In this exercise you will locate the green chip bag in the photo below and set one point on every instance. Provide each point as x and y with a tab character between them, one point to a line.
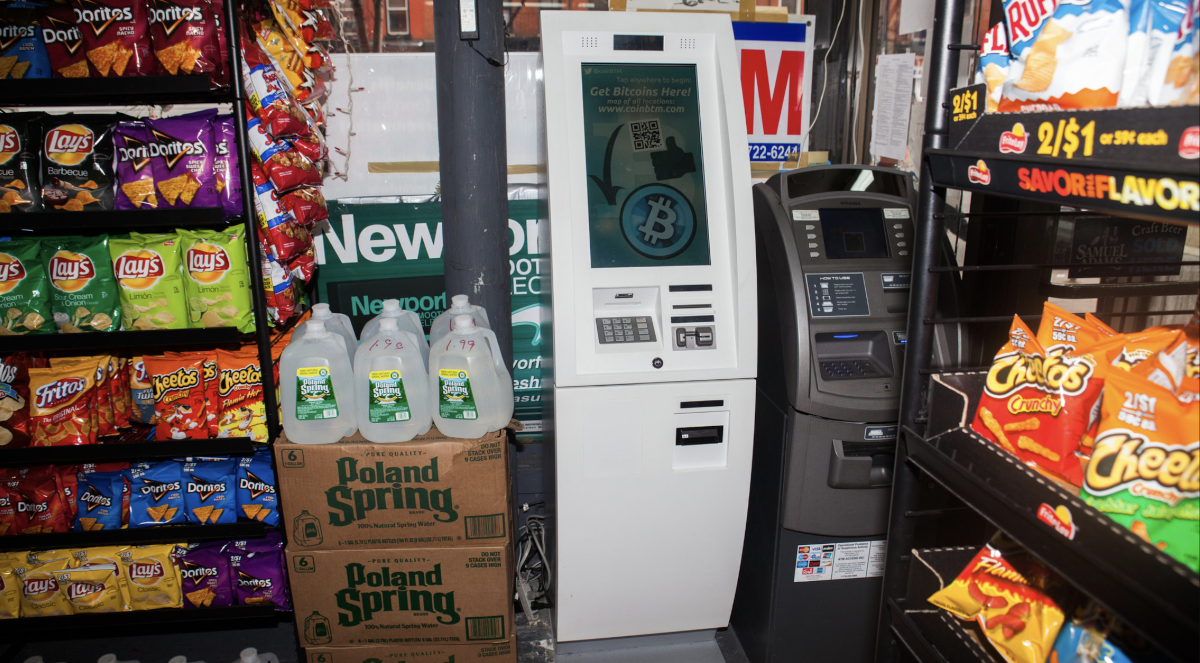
83	290
216	280
24	300
149	273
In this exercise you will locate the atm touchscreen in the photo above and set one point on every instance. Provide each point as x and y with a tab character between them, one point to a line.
854	233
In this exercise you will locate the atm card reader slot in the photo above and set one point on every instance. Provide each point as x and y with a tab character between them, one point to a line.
861	464
853	355
699	435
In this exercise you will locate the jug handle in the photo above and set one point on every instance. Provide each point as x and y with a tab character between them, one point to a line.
423	342
497	359
411	336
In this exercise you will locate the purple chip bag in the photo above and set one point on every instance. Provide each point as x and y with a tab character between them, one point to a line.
135	176
225	168
205	577
184	152
258	578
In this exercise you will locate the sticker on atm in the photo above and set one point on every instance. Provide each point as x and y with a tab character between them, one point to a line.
806	215
840	561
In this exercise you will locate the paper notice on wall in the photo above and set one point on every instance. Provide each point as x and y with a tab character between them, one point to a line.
840	561
893	100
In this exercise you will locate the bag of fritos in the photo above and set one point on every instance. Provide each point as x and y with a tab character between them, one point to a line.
179	397
106	420
62	407
1005	593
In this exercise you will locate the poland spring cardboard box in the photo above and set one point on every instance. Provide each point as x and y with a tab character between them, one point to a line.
483	652
417	596
432	491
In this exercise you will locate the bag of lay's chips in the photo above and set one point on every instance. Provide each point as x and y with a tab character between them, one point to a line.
81	557
1076	60
993	65
10	588
39	588
24	294
83	290
243	413
149	273
142	391
256	494
23	50
1145	469
156	494
100	500
77	161
14	400
62	402
151	576
1005	593
179	397
210	491
93	588
216	279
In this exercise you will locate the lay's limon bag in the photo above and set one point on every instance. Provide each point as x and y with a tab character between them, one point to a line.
83	291
149	273
24	300
216	280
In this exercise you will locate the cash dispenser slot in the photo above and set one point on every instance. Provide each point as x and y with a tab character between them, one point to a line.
699	435
853	355
861	464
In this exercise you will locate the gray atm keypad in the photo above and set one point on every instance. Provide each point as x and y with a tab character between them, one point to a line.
837	295
634	329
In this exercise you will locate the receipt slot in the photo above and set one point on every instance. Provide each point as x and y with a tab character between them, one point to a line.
653	322
834	267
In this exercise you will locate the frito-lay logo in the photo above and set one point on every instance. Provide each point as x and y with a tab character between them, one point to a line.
147	571
1058	518
39	586
63	32
385	590
158	489
205	490
59	392
94	498
1189	143
85	592
171	16
1012	372
207	263
1124	460
376	487
100	18
181	378
1015	141
11	272
139	270
10	143
69	144
979	173
71	272
248	375
256	486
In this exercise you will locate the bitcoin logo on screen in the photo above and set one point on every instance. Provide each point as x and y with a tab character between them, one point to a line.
658	221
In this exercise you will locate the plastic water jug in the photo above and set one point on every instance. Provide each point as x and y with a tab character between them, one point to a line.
316	384
338	323
182	659
458	306
316	629
391	385
251	655
406	320
111	658
471	386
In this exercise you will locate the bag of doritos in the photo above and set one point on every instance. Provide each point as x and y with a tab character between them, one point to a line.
83	290
20	189
142	390
43	505
135	177
119	369
242	411
259	577
184	36
64	42
204	576
149	273
216	280
100	499
256	488
116	37
77	161
183	160
23	50
14	400
24	300
156	494
152	577
227	175
210	493
179	397
11	522
61	405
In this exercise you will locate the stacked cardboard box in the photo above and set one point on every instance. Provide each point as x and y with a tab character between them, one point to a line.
400	552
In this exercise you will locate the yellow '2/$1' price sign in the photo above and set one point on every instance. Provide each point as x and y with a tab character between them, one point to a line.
1064	139
966	105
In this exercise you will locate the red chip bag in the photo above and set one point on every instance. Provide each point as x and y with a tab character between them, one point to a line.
116	37
64	41
14	400
307	205
281	115
184	36
303	265
281	290
284	166
62	405
49	514
212	395
105	415
8	509
311	145
316	110
179	397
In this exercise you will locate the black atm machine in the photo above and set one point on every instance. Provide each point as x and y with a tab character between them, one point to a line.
834	267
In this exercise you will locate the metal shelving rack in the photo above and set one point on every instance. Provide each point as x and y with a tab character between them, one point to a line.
153	90
1151	592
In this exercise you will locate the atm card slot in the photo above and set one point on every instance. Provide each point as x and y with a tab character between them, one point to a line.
687	306
706	287
699	435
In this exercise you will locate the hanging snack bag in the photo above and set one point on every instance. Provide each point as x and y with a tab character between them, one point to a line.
83	290
301	23
99	500
24	294
216	281
135	178
183	164
280	114
64	41
142	390
302	84
116	36
282	236
256	488
156	494
14	400
77	162
179	397
183	35
243	413
993	65
307	205
1144	472
227	177
61	403
284	166
282	294
210	493
151	575
148	270
23	50
104	418
20	191
1181	83
119	369
204	576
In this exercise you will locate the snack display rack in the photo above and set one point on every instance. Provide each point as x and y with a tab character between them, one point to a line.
151	90
968	149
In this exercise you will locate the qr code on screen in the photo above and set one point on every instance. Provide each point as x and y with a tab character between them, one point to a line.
646	135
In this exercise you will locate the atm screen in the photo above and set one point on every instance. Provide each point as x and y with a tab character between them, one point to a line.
645	165
854	233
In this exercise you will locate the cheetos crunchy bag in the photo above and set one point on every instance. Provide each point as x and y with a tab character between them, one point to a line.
1005	593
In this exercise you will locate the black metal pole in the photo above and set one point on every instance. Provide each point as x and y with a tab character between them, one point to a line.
474	160
942	65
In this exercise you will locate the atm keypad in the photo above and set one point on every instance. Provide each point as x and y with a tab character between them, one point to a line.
851	369
634	329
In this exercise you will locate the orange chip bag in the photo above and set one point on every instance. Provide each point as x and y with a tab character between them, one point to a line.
1099	324
178	397
212	397
106	421
1005	594
61	410
1062	331
243	413
91	588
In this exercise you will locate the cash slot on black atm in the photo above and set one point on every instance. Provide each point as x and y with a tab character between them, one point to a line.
853	355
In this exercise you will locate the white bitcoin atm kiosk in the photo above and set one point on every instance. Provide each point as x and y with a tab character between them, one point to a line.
654	320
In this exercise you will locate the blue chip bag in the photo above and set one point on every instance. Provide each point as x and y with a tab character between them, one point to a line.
208	490
100	500
22	47
143	392
156	494
256	495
